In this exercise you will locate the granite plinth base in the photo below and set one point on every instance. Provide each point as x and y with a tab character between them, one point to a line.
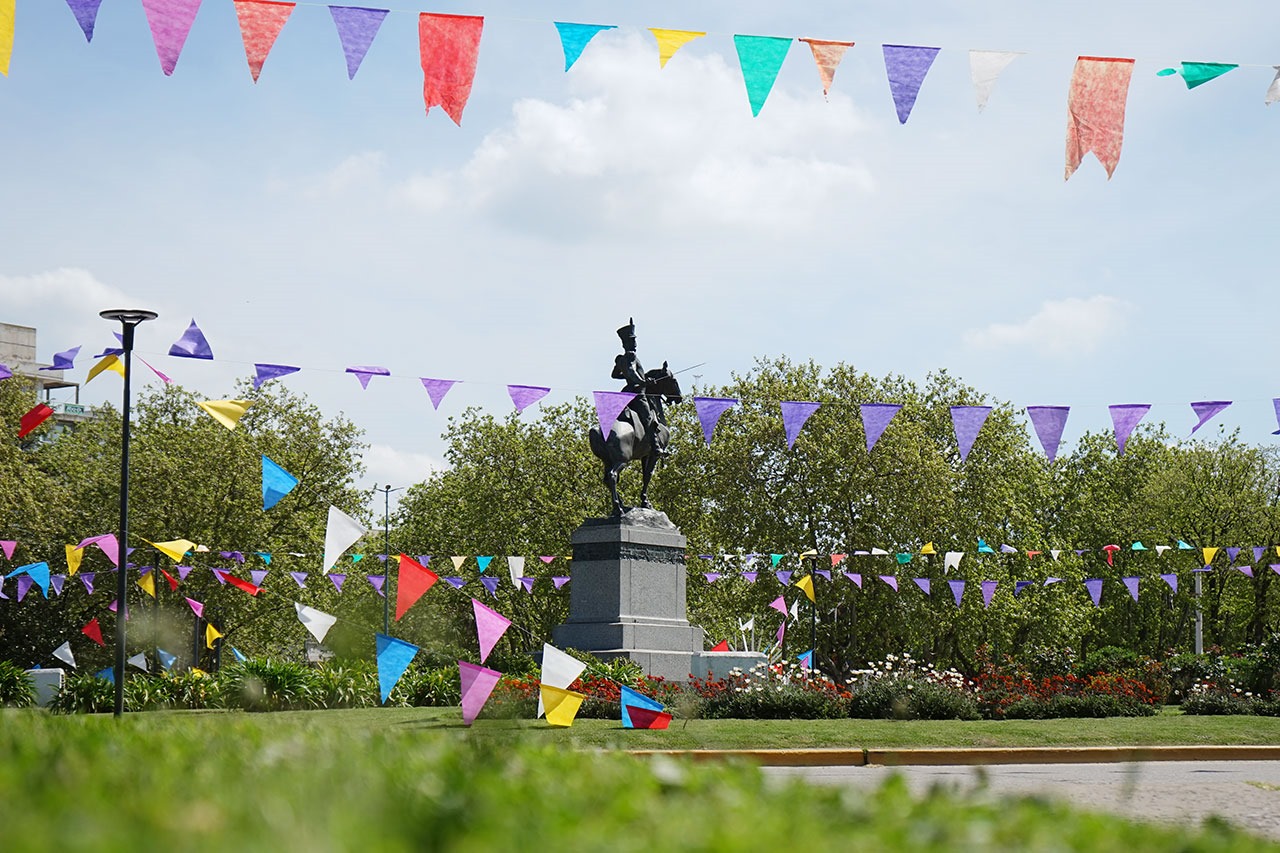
628	594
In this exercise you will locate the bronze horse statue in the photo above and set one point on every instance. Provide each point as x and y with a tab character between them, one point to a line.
629	439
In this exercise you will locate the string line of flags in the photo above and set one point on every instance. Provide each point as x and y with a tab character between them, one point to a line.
449	48
1048	422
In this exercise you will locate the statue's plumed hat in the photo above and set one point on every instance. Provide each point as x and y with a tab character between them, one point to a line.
629	330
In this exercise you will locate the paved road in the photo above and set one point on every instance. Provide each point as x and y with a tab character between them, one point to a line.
1246	793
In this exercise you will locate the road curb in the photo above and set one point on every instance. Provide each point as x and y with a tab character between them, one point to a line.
973	755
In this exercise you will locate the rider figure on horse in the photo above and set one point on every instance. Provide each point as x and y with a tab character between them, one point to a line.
646	405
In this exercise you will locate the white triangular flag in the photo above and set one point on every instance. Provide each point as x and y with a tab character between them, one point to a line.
1055	553
749	625
340	533
1273	91
316	621
879	552
515	565
795	609
1160	549
951	560
558	670
63	653
985	66
139	660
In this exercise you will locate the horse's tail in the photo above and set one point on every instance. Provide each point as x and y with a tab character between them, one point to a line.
597	443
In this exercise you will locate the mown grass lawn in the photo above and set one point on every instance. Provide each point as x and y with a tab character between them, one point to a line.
406	779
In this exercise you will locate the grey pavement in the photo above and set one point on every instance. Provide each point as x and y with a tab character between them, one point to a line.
1245	793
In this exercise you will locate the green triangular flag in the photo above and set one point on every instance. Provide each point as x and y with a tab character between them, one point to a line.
1199	73
761	59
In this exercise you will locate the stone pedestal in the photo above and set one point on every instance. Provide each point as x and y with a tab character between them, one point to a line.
627	598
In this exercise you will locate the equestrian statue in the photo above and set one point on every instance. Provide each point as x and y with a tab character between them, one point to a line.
640	432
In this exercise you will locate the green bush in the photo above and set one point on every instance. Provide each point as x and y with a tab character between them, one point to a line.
84	694
428	688
771	692
1108	659
345	685
16	687
266	685
1066	706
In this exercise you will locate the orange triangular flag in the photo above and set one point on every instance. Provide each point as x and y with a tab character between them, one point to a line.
669	41
260	23
415	579
93	631
827	55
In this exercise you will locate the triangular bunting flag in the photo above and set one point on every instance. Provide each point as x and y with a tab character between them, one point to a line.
951	560
337	579
166	660
1125	417
414	580
363	373
1205	410
63	653
317	622
110	362
806	585
561	705
988	590
170	22
559	669
827	56
875	419
524	396
86	12
93	631
1132	585
957	590
193	344
669	41
140	661
240	583
609	404
341	532
276	483
197	607
226	412
32	419
1094	586
300	578
266	372
709	410
393	658
1198	73
984	67
1095	111
211	634
890	580
1049	421
260	24
794	415
490	584
449	46
760	58
147	583
574	39
436	389
923	583
906	67
490	626
86	578
967	421
477	685
175	549
357	28
630	700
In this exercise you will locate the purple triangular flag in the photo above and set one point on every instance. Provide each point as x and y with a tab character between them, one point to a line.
57	581
267	372
923	583
456	583
1132	585
170	22
1050	581
794	414
366	372
855	577
711	577
5	372
988	590
220	575
906	67
957	590
1171	580
524	396
86	12
258	575
825	574
890	580
86	578
1246	570
183	571
749	577
1258	551
784	577
1205	410
436	389
609	404
1008	549
1049	421
559	581
1232	553
1125	417
709	411
967	421
337	580
1275	567
1019	586
376	581
25	583
192	344
875	418
300	578
1094	585
527	583
477	683
357	28
65	360
490	584
1276	403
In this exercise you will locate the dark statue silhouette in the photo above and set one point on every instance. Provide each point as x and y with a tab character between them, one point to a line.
640	432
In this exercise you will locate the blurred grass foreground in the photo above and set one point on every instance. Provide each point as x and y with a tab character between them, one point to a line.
232	781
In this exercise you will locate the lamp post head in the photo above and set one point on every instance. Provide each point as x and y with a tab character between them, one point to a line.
128	316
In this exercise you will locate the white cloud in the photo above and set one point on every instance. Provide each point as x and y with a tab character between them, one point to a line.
637	148
386	465
354	173
1062	327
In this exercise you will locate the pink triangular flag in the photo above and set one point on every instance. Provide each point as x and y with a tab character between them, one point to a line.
827	56
477	684
170	22
197	607
547	560
490	626
779	604
260	24
1095	111
449	46
7	545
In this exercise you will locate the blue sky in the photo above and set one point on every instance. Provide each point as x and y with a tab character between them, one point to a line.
321	222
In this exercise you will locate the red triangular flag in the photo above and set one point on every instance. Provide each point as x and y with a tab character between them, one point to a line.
260	24
722	646
33	419
449	46
173	582
93	631
412	583
242	584
647	718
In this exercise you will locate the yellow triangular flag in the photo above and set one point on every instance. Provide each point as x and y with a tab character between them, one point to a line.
210	634
669	41
109	362
226	412
147	583
561	705
928	549
1209	554
74	556
174	550
457	563
806	584
6	33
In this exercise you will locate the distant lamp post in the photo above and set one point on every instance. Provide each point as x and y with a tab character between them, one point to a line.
386	555
129	320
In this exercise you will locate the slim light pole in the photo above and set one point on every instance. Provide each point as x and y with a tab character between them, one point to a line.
386	555
129	320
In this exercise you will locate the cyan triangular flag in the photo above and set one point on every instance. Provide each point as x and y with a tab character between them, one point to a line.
276	483
631	699
240	658
761	59
108	674
483	563
38	572
393	659
166	660
574	38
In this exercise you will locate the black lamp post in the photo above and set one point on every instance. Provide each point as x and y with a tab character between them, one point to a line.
129	320
386	556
